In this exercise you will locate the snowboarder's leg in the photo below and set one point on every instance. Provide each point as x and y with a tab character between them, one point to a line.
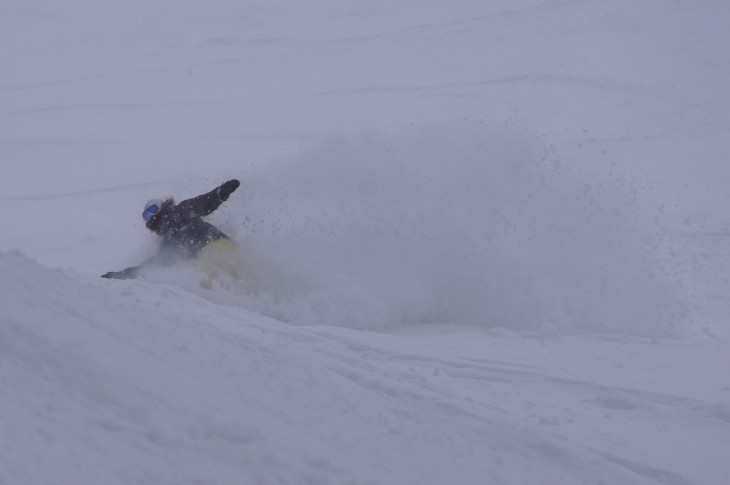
220	257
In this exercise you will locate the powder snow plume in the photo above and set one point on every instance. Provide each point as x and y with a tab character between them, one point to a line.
468	225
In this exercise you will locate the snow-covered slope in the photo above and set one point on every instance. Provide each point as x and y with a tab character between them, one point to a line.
141	383
485	242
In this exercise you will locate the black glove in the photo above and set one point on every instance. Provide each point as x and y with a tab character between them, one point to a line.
225	190
121	275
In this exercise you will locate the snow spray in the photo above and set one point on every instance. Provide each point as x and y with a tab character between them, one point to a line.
468	225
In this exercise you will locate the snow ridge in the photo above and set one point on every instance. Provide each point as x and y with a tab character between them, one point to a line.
132	382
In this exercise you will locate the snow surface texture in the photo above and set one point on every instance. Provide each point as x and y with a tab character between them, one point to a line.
484	242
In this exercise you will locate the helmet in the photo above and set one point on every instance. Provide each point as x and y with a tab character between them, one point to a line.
151	208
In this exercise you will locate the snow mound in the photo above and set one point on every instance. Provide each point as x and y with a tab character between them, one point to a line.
132	383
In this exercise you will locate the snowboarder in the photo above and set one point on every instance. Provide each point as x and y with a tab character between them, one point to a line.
185	234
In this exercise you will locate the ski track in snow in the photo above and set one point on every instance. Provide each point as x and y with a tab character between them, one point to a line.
84	193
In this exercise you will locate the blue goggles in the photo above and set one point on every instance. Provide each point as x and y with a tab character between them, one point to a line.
150	211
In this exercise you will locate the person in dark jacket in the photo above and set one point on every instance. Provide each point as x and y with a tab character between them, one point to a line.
183	231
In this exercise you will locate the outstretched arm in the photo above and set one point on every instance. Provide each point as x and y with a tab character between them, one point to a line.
203	205
133	272
124	274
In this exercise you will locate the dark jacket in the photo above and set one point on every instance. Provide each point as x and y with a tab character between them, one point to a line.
181	226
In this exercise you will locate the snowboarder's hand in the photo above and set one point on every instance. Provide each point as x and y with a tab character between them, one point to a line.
225	190
121	275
